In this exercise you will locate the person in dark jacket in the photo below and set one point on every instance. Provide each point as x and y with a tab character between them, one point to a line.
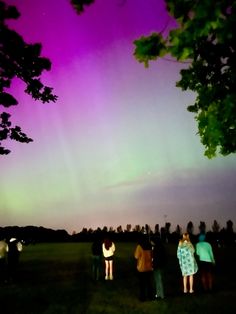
3	260
14	249
158	262
96	258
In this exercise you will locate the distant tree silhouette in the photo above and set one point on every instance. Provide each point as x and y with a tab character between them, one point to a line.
138	228
229	226
202	227
190	227
157	229
178	229
215	227
176	235
105	229
119	229
80	4
128	227
23	61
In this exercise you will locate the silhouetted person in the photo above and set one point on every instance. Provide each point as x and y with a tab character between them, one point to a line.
108	249
96	258
14	249
187	262
206	262
143	255
158	263
3	260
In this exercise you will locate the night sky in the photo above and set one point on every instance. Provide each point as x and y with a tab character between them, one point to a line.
118	146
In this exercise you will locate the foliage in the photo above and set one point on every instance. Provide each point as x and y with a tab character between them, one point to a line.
79	5
18	60
206	38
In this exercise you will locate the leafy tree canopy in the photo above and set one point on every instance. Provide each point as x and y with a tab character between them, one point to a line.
206	38
80	4
21	60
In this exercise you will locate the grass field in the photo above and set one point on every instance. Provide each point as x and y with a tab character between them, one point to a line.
56	278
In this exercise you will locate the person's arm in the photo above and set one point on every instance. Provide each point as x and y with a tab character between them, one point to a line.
113	247
137	252
212	255
103	249
178	252
19	246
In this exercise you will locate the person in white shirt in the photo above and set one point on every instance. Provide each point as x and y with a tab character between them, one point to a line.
14	249
108	249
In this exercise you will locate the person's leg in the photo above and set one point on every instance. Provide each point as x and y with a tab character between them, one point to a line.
204	280
111	270
191	284
185	284
94	267
142	287
209	280
97	271
106	270
155	277
158	283
161	289
149	285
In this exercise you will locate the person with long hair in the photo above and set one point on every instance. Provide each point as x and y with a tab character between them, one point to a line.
108	249
187	262
143	255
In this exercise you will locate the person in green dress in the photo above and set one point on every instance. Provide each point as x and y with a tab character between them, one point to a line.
187	262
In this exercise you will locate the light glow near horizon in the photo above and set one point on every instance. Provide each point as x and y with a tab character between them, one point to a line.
118	147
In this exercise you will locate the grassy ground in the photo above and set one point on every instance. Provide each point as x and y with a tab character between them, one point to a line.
56	278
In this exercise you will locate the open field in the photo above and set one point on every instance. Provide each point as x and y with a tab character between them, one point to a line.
56	278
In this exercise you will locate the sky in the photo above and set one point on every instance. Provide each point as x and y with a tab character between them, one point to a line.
119	146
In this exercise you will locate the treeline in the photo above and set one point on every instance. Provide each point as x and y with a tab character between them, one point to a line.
33	234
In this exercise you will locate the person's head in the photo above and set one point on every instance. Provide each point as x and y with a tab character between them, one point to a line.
202	237
185	237
107	243
144	242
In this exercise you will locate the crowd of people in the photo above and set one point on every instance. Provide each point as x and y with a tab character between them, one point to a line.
151	259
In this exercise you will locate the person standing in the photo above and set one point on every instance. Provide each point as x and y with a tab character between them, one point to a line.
14	249
206	262
3	260
187	262
158	262
143	255
108	249
96	258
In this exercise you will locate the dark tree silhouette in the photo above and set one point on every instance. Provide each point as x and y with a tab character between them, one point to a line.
157	229
206	39
80	4
229	226
178	230
215	227
23	61
202	227
190	227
